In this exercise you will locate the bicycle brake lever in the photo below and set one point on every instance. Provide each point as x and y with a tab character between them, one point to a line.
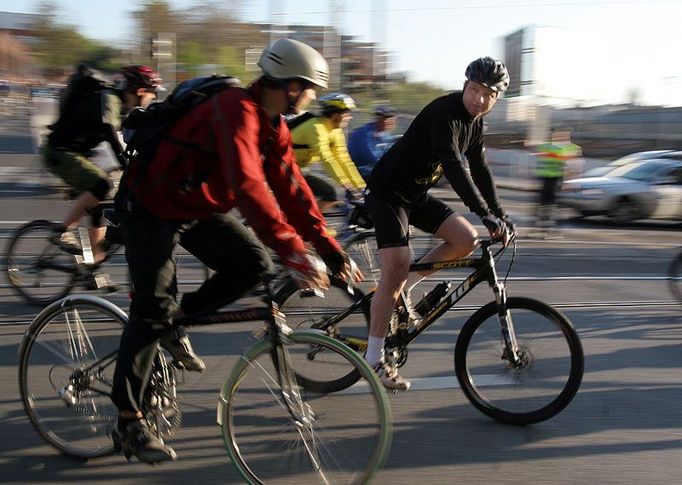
351	277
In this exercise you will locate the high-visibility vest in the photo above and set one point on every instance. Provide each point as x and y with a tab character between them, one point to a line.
552	158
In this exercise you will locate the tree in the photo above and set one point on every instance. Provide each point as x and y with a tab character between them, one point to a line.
59	47
412	97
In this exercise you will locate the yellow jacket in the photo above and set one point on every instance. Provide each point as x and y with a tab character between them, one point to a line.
316	141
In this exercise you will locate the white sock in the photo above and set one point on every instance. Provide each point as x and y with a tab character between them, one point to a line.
375	350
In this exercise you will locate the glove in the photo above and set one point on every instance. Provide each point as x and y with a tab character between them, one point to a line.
335	261
509	223
493	224
353	194
307	271
341	266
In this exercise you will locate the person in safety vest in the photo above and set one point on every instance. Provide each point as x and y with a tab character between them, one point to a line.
555	160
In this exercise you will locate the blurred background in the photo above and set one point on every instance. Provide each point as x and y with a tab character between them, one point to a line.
607	70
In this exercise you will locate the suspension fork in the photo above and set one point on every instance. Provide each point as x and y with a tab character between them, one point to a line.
503	314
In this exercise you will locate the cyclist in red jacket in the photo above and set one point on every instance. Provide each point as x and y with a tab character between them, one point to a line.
184	196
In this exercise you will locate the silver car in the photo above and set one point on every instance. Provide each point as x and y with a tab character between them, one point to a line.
633	157
648	189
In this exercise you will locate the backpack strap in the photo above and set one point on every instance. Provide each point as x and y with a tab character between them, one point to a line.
292	123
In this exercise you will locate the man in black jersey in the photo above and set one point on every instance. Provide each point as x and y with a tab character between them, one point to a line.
444	134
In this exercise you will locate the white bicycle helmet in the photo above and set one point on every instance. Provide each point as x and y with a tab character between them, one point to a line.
291	59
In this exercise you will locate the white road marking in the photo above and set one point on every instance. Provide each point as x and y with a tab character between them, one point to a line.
434	383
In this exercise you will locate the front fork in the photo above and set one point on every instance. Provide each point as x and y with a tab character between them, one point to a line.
511	352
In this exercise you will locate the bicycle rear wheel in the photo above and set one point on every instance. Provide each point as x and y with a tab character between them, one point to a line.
277	431
675	277
66	367
333	316
545	381
38	270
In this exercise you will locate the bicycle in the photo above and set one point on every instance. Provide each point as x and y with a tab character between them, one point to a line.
43	272
675	276
517	359
271	419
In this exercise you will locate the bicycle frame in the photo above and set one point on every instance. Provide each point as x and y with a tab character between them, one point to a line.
277	330
484	270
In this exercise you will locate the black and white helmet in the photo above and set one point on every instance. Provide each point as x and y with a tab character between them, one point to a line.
489	72
291	59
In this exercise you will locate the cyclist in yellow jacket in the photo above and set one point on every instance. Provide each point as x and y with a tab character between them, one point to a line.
321	139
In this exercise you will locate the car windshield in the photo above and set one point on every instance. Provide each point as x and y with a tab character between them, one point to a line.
644	171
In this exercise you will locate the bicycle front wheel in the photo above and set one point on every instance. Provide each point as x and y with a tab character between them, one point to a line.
38	270
66	368
541	384
279	432
675	277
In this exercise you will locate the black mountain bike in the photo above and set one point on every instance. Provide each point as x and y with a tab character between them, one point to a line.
517	359
275	421
43	272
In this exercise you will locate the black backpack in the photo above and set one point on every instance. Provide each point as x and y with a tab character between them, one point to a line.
80	110
145	129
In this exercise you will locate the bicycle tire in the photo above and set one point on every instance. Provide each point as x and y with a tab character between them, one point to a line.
473	354
28	253
58	422
264	450
309	312
675	277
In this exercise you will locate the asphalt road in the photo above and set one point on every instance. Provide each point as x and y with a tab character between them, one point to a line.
624	426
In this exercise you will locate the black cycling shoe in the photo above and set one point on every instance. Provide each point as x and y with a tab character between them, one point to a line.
182	352
134	438
66	241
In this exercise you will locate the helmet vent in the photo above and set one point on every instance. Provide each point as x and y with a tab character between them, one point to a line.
275	58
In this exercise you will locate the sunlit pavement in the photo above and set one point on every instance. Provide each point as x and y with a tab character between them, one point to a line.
625	425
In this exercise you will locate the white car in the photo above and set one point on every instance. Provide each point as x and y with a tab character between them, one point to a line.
647	189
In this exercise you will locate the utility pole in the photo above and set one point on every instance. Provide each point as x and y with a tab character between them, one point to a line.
163	53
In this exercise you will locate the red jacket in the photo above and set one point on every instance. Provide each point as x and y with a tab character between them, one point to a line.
245	159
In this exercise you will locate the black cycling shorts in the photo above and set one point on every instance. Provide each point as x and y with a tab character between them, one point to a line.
392	220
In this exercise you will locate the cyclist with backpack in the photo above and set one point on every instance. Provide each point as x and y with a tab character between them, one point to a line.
320	139
90	112
228	148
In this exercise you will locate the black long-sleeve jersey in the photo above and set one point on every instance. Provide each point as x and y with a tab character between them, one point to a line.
437	142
